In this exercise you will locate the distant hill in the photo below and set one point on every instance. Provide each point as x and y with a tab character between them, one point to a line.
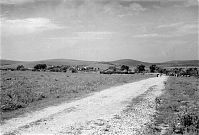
180	63
102	65
55	62
176	63
128	62
65	62
9	62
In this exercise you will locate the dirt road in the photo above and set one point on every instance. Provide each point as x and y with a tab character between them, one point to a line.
74	116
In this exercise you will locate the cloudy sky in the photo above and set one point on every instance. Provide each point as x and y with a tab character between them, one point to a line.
146	30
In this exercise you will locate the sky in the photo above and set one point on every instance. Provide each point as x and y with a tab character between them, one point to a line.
99	30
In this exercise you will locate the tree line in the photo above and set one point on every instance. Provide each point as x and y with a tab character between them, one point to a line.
122	69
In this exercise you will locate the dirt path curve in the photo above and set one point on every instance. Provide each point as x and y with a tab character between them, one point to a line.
101	105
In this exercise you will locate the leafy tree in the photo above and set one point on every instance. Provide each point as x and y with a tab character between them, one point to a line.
73	70
192	71
20	67
124	67
112	68
64	69
140	68
40	66
152	68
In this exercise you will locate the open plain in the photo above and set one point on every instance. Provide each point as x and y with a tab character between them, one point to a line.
26	91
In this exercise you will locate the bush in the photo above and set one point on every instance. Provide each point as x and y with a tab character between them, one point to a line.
113	68
20	67
124	67
64	68
73	70
152	68
140	68
40	66
192	71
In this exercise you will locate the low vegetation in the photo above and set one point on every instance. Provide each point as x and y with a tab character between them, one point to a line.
112	69
178	108
40	67
140	68
23	91
153	68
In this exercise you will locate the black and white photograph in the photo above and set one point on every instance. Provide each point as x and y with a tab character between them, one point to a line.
99	67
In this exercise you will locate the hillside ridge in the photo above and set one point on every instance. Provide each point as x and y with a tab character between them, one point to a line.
129	62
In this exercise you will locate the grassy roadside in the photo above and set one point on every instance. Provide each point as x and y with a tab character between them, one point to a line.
30	91
177	109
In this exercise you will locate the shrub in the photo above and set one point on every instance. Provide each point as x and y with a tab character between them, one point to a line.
192	71
140	68
40	66
20	67
152	68
124	67
73	70
64	68
112	68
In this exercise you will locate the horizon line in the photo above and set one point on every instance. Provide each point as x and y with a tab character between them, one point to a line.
97	60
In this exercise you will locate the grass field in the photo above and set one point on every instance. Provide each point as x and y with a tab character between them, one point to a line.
25	91
178	108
